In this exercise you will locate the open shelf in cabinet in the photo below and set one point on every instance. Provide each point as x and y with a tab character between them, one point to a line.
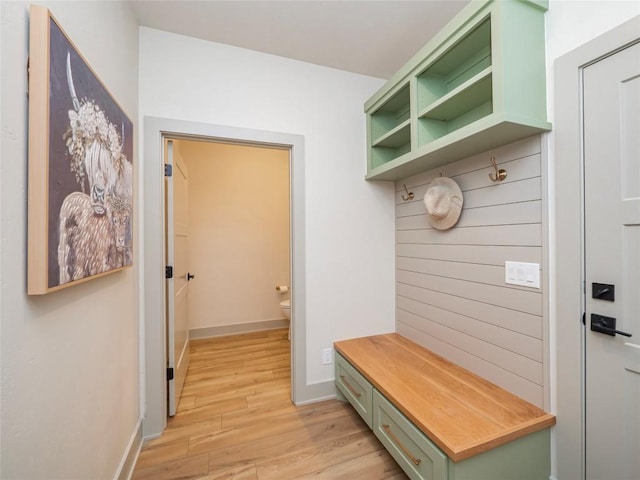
389	127
464	105
456	89
479	82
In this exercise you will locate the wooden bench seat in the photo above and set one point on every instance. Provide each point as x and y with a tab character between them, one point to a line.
463	414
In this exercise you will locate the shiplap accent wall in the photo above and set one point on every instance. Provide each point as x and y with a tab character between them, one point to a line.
451	294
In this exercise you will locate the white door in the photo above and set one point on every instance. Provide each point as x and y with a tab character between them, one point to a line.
612	265
177	222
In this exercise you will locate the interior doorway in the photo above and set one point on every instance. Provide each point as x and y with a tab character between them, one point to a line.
235	217
156	130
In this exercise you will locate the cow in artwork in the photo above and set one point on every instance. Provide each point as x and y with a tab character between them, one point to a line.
90	243
94	228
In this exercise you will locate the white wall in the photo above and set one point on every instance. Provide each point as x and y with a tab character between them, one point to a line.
70	358
238	232
349	222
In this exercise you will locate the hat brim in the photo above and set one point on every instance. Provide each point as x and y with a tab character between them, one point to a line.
455	207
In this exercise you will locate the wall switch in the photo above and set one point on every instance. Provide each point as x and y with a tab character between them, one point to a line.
524	274
327	356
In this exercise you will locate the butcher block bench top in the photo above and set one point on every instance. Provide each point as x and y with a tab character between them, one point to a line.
459	411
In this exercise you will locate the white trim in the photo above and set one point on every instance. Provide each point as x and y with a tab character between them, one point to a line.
317	392
547	254
131	453
152	248
237	328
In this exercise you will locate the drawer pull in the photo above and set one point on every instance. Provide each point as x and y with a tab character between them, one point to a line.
351	389
416	461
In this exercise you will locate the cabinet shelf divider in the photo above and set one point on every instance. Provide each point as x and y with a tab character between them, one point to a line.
451	96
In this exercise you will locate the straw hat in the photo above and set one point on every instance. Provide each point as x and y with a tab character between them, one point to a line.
444	203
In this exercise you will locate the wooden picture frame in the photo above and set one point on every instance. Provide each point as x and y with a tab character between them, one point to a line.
80	198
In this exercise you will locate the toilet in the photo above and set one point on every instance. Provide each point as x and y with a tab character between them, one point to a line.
285	305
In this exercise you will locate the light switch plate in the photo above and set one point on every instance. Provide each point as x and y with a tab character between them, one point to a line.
521	273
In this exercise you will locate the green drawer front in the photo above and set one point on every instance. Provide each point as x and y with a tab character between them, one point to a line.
355	387
415	453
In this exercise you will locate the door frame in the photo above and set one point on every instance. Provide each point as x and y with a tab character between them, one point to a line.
569	454
154	386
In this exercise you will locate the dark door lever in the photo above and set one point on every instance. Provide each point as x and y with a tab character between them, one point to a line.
606	325
603	291
190	277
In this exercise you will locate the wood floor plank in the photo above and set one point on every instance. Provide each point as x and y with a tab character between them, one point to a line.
378	465
275	395
298	422
183	469
317	457
186	402
236	420
162	453
244	472
273	412
228	381
234	383
175	432
207	411
261	448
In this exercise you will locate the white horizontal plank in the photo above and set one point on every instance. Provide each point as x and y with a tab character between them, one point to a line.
510	214
517	170
517	385
503	358
523	148
514	320
500	194
517	235
515	342
475	254
527	301
488	274
516	192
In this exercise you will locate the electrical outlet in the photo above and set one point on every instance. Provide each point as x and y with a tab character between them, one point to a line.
327	356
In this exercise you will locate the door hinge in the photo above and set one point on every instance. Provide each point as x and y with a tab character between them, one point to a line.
584	318
168	272
168	170
169	374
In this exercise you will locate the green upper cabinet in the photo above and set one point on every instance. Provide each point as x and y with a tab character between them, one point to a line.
478	84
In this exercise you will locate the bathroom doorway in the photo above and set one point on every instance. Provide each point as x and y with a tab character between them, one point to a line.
238	252
239	236
157	130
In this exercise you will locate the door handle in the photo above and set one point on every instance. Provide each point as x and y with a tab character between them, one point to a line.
190	276
603	291
606	325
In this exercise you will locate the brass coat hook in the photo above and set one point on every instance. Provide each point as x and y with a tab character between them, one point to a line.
500	175
409	195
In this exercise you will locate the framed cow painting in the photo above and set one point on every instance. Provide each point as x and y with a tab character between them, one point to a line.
80	166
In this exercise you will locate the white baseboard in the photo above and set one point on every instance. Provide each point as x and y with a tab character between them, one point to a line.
237	328
316	392
128	462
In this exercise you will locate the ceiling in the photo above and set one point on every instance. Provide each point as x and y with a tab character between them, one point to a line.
368	37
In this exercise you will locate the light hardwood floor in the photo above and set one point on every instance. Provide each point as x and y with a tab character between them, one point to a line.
235	420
